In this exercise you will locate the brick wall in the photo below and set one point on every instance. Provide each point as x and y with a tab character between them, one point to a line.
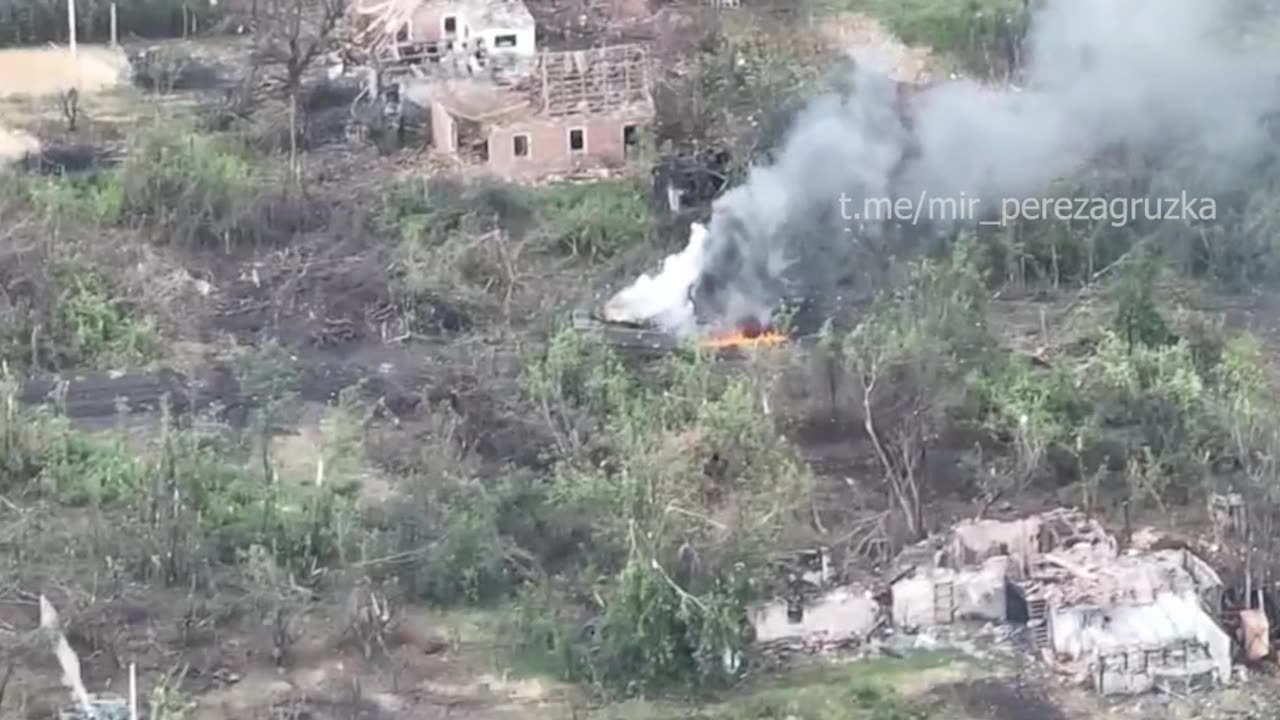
443	133
548	149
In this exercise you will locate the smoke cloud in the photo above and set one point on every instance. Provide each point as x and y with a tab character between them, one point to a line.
1147	75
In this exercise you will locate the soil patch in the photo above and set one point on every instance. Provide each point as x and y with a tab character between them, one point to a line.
36	72
999	699
15	145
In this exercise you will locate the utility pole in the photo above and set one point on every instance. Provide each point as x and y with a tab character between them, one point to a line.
71	25
115	36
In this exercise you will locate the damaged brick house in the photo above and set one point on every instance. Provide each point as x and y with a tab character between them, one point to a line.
531	115
418	31
1133	621
1127	621
578	111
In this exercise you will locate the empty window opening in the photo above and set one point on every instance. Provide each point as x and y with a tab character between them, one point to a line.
521	145
450	25
448	45
504	41
577	140
473	142
795	613
630	140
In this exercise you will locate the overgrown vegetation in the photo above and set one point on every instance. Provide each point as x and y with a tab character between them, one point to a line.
471	246
983	37
745	85
657	498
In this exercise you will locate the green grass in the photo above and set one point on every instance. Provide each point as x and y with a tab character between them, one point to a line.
879	689
872	689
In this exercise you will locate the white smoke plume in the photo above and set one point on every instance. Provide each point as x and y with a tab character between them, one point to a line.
663	299
1140	74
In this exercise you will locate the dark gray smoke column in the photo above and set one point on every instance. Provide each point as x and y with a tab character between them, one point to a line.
783	229
1146	74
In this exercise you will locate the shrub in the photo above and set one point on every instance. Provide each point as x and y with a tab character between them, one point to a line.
1018	393
195	187
85	471
90	327
98	199
677	482
656	636
596	220
984	36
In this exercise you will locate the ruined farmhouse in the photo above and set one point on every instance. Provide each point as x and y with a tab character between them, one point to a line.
499	104
1125	621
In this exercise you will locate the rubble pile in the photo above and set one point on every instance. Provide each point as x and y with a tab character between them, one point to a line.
1055	585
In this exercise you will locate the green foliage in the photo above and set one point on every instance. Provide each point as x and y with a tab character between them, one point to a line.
1138	319
596	220
21	445
1158	391
941	311
982	35
197	187
88	471
1138	375
589	220
454	534
98	199
196	498
575	383
676	483
645	641
183	184
1242	249
1018	393
656	636
268	374
861	693
907	359
468	560
742	88
546	642
73	318
430	212
468	245
1242	374
92	328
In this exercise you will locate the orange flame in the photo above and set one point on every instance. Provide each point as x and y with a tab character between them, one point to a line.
740	339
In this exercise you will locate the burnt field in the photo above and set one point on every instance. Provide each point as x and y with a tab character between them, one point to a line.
302	420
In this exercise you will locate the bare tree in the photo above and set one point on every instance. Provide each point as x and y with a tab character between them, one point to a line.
898	445
292	35
904	365
71	108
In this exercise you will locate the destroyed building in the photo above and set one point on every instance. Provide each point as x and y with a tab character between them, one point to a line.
417	32
1133	621
1128	621
578	112
839	618
533	115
